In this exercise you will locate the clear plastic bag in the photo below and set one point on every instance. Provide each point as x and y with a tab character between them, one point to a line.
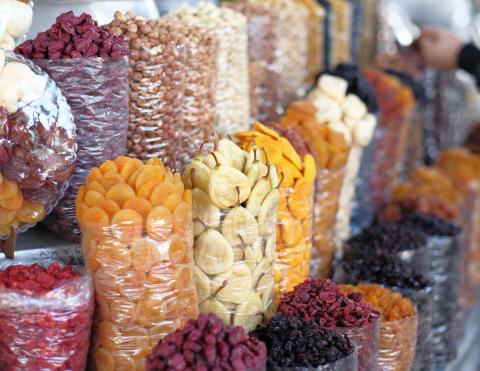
368	34
232	85
38	145
51	331
348	363
141	258
15	21
293	17
342	36
263	51
366	340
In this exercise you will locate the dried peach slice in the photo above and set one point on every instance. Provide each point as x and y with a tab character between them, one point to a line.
127	225
146	253
113	255
300	199
108	166
129	168
96	220
161	192
290	153
148	174
81	193
181	218
30	213
160	223
292	231
265	130
309	169
108	335
7	216
93	198
96	186
104	360
151	311
95	174
109	206
120	193
140	205
120	162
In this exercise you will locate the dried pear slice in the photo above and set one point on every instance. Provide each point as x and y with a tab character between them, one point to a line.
265	288
259	192
273	177
196	175
267	215
300	199
212	252
249	314
257	250
253	156
215	306
228	187
240	227
202	282
235	156
255	172
213	158
266	130
204	213
290	153
309	168
233	286
262	268
269	251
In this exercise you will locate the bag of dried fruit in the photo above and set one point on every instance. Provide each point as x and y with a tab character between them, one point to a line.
398	324
235	200
137	240
45	316
263	26
285	149
15	21
89	64
322	301
37	146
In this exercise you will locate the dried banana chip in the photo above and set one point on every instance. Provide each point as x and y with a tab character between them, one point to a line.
240	227
259	192
263	267
267	216
202	282
265	288
250	312
213	254
232	153
215	306
269	250
196	175
204	213
233	286
228	187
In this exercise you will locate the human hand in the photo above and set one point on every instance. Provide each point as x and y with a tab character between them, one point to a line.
439	48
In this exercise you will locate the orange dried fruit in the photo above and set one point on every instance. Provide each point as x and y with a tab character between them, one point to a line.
122	361
120	193
90	251
110	207
93	198
5	230
282	205
131	284
127	225
155	161
161	330
151	311
243	135
81	194
181	218
108	166
290	153
284	169
147	189
309	169
160	223
145	254
183	278
161	192
132	180
172	201
120	162
110	179
272	147
11	196
81	210
337	160
148	174
337	140
108	335
129	168
95	174
30	213
291	230
106	285
7	216
265	130
104	360
300	199
122	312
289	167
113	255
187	198
134	338
179	187
178	249
96	186
140	205
96	220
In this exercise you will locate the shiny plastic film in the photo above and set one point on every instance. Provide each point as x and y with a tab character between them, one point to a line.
263	52
342	35
138	244
368	31
348	363
296	173
16	18
293	46
38	146
232	81
156	79
235	200
45	328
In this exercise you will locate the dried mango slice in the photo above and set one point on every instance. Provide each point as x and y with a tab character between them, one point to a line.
291	169
265	130
309	169
242	135
127	225
159	223
300	199
292	232
290	153
286	170
120	193
272	147
140	205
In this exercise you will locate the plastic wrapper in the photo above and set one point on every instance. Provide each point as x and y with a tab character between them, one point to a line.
232	85
15	21
367	341
348	363
357	24
38	145
141	258
51	331
293	45
328	30
263	52
342	36
368	32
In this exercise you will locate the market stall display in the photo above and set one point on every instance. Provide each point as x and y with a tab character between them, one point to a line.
15	21
398	324
235	200
137	241
232	99
298	343
45	316
331	150
297	172
323	302
38	147
89	64
196	344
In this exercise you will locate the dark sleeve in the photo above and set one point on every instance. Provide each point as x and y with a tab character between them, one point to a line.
469	60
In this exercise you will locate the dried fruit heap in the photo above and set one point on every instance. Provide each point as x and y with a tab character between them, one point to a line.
207	344
295	214
295	342
235	200
398	327
74	37
16	19
45	318
137	240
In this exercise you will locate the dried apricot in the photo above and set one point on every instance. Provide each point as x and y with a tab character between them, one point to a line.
7	216
108	166
120	193
151	311
110	207
96	220
133	178
110	179
93	198
104	360
300	199
81	210
140	205
108	335
183	278
106	285
122	312
146	253
179	187
95	174
172	201
113	255
187	197
127	225
148	174
129	168
177	251
161	192
120	162
131	284
11	196
133	339
96	186
81	193
181	218
30	213
290	153
161	330
292	232
160	223
147	189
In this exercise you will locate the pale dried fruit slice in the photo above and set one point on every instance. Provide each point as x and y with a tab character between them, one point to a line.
256	250
249	313
267	215
196	175
273	176
213	158
269	251
255	172
234	155
265	287
216	307
228	187
240	227
259	192
263	267
205	214
233	286
213	254
202	282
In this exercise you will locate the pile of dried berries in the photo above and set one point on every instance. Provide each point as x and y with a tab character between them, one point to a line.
431	225
205	344
74	37
45	318
294	342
